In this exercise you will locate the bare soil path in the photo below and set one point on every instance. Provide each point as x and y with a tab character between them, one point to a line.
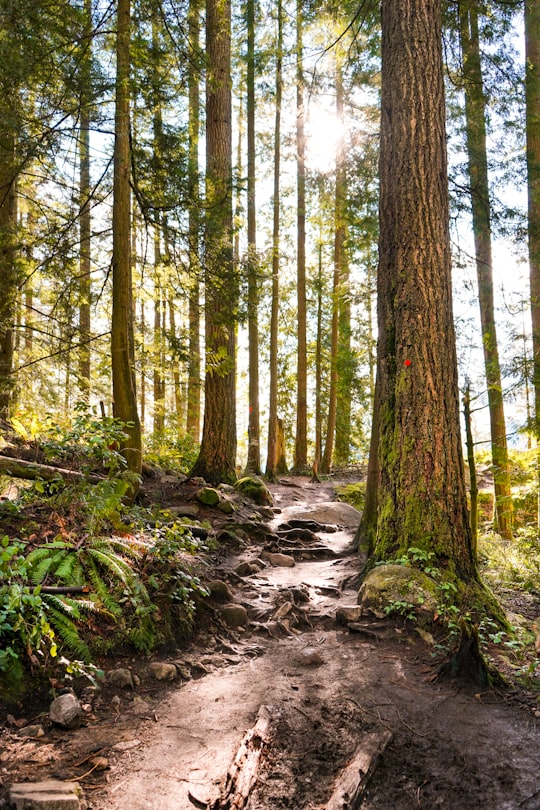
331	695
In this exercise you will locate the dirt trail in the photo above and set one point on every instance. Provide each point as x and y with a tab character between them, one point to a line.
328	689
330	693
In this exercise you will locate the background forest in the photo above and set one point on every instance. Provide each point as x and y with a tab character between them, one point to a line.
304	77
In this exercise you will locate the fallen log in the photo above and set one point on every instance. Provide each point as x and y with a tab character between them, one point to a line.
242	774
32	471
350	786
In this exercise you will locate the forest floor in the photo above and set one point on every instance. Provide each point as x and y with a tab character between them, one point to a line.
331	695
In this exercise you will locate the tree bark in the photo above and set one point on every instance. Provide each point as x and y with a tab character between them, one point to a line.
272	452
31	471
532	127
85	216
422	499
254	451
300	456
475	115
9	275
193	423
217	456
122	343
340	261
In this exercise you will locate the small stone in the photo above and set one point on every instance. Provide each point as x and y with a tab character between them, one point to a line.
122	678
234	615
66	711
48	795
255	489
208	496
281	560
184	672
425	636
220	591
244	569
311	657
349	613
162	671
227	507
32	731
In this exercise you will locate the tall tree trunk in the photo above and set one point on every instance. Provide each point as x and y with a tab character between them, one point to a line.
300	456
85	216
422	499
217	456
193	423
340	261
122	343
254	451
159	303
9	276
475	114
177	387
318	354
271	459
344	357
532	127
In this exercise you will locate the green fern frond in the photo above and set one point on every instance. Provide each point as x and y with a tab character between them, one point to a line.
68	634
44	562
113	564
101	589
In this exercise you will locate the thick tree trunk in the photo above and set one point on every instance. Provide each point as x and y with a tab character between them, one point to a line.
122	344
85	217
193	424
254	451
475	114
272	452
300	456
217	456
422	500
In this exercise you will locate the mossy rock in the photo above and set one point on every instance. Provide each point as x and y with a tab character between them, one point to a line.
390	589
255	489
208	496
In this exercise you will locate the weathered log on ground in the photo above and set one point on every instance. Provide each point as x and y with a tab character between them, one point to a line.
351	784
242	774
32	471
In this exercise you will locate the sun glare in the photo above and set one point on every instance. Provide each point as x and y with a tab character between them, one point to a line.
324	132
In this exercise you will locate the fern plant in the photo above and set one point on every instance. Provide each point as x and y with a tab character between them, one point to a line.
102	563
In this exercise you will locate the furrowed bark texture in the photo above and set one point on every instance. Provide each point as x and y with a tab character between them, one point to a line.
422	499
217	456
122	342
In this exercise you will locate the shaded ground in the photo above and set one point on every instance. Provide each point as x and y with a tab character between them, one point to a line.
328	689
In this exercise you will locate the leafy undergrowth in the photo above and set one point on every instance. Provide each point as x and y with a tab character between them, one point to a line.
81	573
